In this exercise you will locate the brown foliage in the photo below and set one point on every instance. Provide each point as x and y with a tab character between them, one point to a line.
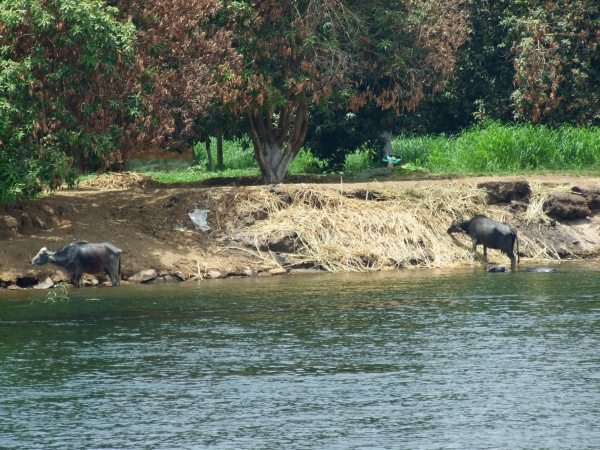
420	59
556	60
178	58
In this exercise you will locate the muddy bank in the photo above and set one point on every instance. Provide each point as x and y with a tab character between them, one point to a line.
270	230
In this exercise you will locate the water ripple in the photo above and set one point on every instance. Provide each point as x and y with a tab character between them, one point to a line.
438	359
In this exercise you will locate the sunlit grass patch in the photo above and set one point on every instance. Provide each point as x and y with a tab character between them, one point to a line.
495	148
191	174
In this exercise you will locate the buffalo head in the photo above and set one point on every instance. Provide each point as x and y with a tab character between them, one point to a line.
43	256
455	227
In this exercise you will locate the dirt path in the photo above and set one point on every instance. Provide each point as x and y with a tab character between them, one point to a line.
142	222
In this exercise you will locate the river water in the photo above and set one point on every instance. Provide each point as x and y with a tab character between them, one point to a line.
402	359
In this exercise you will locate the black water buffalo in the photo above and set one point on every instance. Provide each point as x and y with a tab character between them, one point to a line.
490	234
80	257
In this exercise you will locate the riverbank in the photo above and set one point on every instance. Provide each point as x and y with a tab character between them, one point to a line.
265	230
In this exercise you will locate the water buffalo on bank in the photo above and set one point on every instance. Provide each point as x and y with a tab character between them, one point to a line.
80	257
490	234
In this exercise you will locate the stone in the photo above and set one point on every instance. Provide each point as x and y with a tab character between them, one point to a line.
154	280
46	284
142	276
277	271
14	287
264	274
563	206
308	271
180	276
591	195
214	274
282	242
518	207
285	259
506	191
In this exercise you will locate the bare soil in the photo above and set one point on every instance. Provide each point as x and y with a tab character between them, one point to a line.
147	224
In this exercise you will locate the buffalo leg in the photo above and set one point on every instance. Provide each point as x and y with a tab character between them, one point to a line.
485	254
474	251
78	276
114	279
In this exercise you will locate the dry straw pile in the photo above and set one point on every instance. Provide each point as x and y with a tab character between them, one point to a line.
123	180
377	228
539	196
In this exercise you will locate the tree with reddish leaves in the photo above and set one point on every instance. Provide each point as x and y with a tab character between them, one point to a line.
180	58
267	61
388	52
556	48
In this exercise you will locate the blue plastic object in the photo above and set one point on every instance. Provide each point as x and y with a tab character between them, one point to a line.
388	158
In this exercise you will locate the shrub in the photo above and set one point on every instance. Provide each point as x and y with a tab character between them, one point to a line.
358	161
61	91
306	162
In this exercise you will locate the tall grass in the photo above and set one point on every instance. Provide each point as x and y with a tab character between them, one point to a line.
238	161
492	148
497	148
237	154
306	162
358	161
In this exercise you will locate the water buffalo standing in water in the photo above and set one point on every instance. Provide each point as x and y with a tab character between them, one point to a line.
490	234
80	257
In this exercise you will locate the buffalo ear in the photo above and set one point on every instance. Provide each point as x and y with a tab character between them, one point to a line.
49	254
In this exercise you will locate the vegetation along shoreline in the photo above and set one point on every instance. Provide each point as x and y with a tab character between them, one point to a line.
295	228
326	135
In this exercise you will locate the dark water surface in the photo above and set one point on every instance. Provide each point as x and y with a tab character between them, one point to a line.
419	359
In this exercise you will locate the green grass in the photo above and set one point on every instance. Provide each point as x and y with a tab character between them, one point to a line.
358	161
492	148
505	149
199	175
238	160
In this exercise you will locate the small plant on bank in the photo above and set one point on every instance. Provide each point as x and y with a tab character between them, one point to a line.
306	162
59	294
358	161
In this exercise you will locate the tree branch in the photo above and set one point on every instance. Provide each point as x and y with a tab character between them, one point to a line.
253	134
301	114
284	124
270	134
262	131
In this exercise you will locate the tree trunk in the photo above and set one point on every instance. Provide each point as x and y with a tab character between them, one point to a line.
276	144
211	164
220	165
385	133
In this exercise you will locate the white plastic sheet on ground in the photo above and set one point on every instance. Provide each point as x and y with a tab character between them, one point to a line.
198	217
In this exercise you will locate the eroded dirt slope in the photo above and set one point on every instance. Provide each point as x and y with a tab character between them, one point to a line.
147	222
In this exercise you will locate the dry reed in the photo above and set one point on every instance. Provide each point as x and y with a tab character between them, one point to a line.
375	229
539	195
123	180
